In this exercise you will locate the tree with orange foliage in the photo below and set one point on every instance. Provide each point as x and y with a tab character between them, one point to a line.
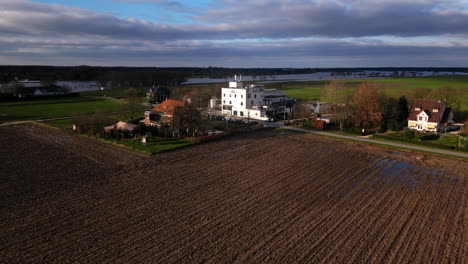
367	114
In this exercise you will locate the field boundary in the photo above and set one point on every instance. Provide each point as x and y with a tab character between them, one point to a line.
448	153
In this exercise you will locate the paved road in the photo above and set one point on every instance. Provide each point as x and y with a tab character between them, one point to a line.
381	142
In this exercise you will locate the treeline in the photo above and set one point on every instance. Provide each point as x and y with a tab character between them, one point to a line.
121	76
113	77
367	108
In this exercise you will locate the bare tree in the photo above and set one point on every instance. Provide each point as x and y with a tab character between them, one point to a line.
187	120
132	108
451	96
340	97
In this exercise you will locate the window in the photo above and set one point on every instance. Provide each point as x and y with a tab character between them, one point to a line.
251	102
242	96
224	101
242	103
230	95
235	96
241	113
255	96
435	110
417	109
224	95
230	102
248	95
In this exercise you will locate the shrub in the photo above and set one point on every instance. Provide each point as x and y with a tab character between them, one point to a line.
429	137
408	134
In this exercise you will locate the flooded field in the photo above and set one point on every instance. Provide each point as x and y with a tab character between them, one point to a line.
322	76
268	197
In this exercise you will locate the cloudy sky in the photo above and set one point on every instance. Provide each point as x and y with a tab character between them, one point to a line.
235	33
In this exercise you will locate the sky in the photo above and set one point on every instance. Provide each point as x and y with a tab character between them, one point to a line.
235	33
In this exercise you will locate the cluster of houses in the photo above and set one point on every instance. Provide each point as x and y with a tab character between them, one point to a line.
254	102
33	88
239	101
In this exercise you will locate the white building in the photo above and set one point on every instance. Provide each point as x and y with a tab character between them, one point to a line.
79	86
30	83
247	102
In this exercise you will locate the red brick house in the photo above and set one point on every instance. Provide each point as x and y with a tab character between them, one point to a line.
430	116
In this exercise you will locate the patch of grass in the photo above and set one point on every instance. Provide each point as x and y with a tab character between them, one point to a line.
40	109
115	93
221	125
444	142
154	145
305	94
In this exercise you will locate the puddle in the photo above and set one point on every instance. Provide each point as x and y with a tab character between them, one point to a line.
412	176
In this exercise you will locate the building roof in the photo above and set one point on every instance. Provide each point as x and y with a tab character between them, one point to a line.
161	90
274	93
427	106
167	107
121	126
446	117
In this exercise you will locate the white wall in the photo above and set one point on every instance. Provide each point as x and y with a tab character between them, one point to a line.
76	86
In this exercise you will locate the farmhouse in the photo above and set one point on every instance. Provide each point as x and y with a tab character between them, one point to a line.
158	94
430	116
162	114
253	101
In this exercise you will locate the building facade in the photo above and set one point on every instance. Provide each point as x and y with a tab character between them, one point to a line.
252	101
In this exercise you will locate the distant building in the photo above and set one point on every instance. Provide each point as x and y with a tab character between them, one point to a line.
430	115
79	86
30	83
320	107
40	91
158	94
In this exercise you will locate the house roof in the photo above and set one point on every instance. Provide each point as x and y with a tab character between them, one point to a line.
427	106
445	117
167	107
121	126
273	92
161	90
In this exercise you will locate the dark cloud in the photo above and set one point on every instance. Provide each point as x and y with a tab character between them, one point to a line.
235	31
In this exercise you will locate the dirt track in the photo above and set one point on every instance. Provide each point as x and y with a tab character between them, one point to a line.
272	197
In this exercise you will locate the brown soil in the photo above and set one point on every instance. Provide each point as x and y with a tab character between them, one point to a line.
268	197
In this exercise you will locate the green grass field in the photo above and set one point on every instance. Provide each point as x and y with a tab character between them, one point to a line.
155	144
49	108
394	87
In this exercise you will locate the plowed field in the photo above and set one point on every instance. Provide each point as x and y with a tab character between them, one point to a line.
268	197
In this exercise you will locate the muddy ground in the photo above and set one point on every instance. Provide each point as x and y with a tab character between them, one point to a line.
267	197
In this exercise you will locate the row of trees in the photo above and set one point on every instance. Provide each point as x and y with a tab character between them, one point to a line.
364	107
368	108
